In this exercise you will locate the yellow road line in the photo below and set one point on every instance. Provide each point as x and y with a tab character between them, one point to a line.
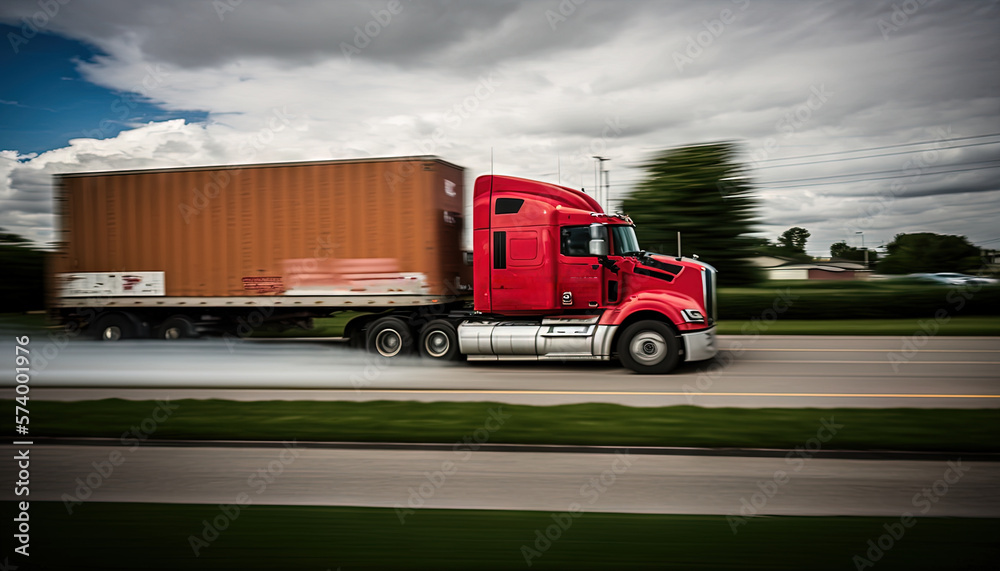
761	349
885	362
679	393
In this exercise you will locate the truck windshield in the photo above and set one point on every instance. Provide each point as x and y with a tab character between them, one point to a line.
624	240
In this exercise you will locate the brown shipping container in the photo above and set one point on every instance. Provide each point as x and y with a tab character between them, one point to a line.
310	228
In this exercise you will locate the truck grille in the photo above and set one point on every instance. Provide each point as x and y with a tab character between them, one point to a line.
709	276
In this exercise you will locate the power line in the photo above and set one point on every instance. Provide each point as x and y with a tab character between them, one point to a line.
634	182
877	178
879	148
795	182
879	155
902	173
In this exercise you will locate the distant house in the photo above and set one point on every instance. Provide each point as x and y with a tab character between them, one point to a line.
778	268
991	261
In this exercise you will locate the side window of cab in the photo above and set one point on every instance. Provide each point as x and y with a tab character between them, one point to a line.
574	241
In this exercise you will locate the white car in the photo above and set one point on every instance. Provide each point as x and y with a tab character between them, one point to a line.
959	279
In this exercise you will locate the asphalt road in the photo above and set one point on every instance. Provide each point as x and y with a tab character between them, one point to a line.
404	479
751	371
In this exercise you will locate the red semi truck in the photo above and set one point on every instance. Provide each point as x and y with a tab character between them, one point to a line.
554	277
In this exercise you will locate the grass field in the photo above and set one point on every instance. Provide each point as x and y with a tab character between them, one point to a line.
589	424
112	536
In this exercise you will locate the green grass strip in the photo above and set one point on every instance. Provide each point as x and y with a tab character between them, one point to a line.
595	424
111	536
954	326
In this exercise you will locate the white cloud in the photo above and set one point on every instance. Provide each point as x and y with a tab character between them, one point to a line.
467	80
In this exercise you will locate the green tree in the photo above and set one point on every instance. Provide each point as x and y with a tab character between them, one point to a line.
844	252
765	247
11	238
23	270
702	192
926	252
794	240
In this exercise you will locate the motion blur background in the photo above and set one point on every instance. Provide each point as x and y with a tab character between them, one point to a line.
837	161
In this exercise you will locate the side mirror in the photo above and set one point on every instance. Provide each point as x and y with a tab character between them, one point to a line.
598	245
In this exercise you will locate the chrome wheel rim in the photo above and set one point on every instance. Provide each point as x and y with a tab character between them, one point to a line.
388	343
648	347
112	333
437	344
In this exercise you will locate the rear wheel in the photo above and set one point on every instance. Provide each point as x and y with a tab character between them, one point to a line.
649	348
439	341
115	326
390	337
177	327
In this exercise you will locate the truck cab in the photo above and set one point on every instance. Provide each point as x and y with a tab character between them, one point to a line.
557	278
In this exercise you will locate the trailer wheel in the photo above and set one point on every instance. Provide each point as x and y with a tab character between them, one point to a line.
390	337
177	327
649	348
115	326
439	341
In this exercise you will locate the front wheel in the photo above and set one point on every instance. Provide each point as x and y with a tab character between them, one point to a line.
649	348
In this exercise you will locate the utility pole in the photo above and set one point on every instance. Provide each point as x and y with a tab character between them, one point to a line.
601	175
863	248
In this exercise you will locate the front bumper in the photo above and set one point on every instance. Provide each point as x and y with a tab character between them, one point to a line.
700	345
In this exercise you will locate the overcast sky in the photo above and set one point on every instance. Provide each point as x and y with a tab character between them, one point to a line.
544	85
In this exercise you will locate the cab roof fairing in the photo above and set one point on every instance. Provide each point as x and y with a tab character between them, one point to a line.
488	187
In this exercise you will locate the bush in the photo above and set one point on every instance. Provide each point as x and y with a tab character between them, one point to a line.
22	287
847	300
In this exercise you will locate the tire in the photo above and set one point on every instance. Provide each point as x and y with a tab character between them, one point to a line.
439	341
176	327
115	326
649	348
390	337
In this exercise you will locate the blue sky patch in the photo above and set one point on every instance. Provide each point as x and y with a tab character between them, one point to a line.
45	102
